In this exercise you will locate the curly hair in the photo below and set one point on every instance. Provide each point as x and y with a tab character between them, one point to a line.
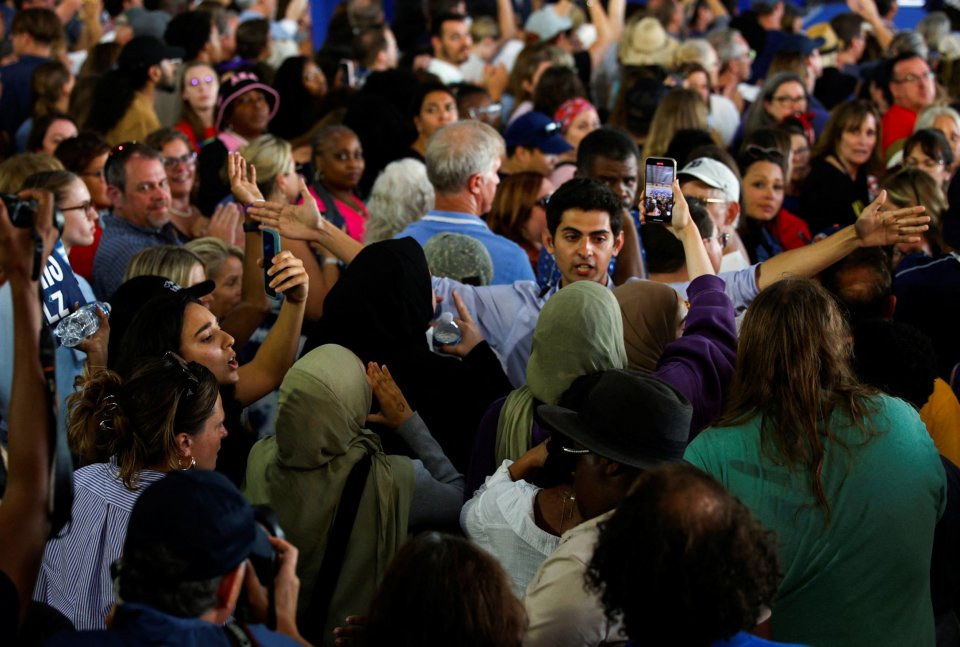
682	561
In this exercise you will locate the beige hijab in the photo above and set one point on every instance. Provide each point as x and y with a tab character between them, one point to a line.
579	332
301	473
649	321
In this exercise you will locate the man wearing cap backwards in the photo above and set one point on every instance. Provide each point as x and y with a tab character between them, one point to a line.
185	565
147	61
615	444
534	143
138	189
462	163
713	183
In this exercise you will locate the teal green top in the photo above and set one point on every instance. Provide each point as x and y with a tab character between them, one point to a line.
864	579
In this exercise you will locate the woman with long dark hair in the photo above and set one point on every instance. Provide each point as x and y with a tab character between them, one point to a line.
847	478
837	189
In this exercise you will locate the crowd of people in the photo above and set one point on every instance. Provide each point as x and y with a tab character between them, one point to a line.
388	340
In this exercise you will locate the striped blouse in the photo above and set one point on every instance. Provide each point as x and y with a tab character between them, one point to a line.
75	574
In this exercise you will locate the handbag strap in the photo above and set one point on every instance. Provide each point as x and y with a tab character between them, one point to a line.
336	549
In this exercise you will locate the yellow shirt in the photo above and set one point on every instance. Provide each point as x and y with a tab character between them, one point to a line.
941	414
139	121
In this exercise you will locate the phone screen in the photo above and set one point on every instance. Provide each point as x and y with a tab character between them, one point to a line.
658	189
271	247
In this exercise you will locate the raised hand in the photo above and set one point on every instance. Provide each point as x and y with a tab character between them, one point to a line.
394	408
227	224
295	221
243	181
876	227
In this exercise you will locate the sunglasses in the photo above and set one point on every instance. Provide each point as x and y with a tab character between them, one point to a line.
172	360
544	201
760	153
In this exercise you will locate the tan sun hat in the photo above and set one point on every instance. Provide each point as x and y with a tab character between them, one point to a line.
646	42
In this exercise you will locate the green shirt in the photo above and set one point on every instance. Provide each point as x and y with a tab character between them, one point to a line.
863	579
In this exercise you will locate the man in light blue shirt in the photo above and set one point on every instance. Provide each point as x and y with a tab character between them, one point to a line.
462	163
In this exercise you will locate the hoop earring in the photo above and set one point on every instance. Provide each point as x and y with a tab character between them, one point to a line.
193	463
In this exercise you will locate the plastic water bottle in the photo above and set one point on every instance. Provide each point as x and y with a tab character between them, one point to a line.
80	325
446	332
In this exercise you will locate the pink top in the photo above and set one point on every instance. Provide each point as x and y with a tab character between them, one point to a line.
356	220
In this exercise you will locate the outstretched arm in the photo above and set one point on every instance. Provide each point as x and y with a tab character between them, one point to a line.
873	229
24	520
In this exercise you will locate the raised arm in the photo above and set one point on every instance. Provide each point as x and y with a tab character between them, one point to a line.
305	222
24	520
278	351
874	228
683	227
700	364
438	495
506	20
629	260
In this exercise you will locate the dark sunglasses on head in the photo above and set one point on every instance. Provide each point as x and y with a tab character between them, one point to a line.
760	153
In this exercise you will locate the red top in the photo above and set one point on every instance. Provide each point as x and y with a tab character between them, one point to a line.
897	123
185	128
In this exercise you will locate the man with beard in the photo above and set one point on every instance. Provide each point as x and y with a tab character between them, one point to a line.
451	47
145	64
138	189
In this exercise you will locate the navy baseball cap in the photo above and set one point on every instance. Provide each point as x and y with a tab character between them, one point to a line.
799	43
202	519
536	130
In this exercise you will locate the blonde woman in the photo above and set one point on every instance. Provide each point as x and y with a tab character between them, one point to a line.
681	109
237	304
169	261
277	181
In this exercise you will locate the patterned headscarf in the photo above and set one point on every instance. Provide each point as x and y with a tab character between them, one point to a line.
569	110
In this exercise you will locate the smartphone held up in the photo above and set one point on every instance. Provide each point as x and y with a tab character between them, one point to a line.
659	174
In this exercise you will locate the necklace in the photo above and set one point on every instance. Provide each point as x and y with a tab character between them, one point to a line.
566	509
180	214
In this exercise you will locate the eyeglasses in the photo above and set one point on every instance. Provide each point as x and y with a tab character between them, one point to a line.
187	158
86	206
929	164
191	380
784	100
491	111
208	79
705	201
913	78
544	201
94	174
723	238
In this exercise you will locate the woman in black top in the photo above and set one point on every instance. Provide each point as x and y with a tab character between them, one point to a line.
838	187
